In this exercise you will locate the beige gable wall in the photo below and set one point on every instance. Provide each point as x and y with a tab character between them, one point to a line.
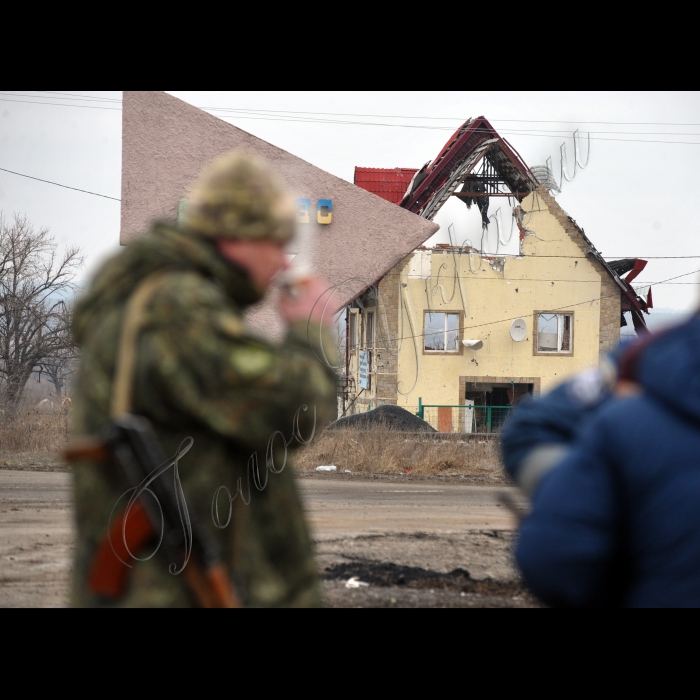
491	299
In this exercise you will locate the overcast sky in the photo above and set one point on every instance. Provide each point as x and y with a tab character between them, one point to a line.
634	199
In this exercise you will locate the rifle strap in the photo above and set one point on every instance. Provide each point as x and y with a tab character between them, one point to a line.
109	571
134	315
108	577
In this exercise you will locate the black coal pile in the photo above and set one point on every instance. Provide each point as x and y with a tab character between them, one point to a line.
385	417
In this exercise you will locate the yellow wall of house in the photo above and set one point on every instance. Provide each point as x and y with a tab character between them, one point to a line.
491	300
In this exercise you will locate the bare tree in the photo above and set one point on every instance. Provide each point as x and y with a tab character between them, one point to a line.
59	367
35	282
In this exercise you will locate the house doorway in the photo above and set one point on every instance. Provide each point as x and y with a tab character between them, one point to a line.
491	399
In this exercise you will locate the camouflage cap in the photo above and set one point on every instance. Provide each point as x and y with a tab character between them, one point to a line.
238	197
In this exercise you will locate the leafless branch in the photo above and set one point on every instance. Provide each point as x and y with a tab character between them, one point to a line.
36	282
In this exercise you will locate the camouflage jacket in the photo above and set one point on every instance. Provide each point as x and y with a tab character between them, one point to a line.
201	373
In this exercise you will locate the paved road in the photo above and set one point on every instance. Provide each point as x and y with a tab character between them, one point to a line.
352	508
37	539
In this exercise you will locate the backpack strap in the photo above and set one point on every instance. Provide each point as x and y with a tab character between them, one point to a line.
134	315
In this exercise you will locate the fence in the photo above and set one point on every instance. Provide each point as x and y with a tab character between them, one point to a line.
464	419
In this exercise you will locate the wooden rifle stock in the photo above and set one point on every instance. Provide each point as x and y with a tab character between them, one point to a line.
87	449
204	574
211	587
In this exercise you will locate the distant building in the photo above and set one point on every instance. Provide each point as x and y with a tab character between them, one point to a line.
450	326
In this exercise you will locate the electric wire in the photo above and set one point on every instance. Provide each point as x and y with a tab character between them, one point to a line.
394	116
60	104
506	257
311	120
514	257
523	280
58	184
559	309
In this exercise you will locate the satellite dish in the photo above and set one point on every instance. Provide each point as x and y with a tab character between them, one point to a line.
473	344
518	330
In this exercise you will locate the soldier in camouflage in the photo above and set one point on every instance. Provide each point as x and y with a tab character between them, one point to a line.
199	371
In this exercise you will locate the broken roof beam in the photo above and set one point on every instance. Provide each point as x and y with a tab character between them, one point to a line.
464	144
468	195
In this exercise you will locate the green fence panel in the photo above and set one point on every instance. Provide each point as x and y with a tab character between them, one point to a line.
464	419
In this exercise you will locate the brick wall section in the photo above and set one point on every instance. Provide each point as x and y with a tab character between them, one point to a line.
610	293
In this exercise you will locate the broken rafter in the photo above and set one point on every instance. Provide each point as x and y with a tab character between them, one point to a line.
464	195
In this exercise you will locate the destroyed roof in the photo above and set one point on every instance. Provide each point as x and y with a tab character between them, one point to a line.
388	183
620	267
475	140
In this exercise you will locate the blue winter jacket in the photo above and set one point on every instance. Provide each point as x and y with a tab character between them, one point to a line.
617	520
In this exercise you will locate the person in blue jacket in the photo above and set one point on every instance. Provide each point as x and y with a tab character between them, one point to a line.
611	462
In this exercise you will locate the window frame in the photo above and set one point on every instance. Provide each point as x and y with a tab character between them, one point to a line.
460	323
535	334
369	326
352	331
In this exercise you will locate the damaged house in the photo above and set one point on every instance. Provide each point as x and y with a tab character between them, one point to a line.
457	335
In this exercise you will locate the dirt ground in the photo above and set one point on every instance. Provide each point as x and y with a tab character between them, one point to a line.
415	541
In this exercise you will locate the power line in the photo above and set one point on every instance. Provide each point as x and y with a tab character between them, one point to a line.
56	96
60	104
571	257
514	257
398	116
284	114
384	124
49	182
550	133
523	280
562	309
444	128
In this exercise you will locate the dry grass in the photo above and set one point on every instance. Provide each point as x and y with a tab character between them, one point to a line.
27	435
30	437
386	451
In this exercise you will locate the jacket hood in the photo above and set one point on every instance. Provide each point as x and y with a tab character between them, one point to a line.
164	248
669	369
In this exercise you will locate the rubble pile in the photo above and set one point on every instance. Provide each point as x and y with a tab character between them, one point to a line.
385	417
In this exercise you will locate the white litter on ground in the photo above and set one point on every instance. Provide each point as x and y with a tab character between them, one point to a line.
330	468
354	582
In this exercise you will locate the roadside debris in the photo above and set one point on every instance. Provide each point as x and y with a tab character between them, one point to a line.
386	416
329	468
355	582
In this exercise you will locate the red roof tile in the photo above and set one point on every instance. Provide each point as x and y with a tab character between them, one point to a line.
388	183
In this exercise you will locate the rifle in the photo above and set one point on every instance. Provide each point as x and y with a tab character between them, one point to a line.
130	442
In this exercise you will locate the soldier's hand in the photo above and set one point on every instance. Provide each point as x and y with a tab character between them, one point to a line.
306	300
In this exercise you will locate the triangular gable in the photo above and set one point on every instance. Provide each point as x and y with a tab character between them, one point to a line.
166	143
475	140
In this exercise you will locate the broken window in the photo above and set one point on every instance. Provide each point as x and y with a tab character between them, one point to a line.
441	332
554	333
